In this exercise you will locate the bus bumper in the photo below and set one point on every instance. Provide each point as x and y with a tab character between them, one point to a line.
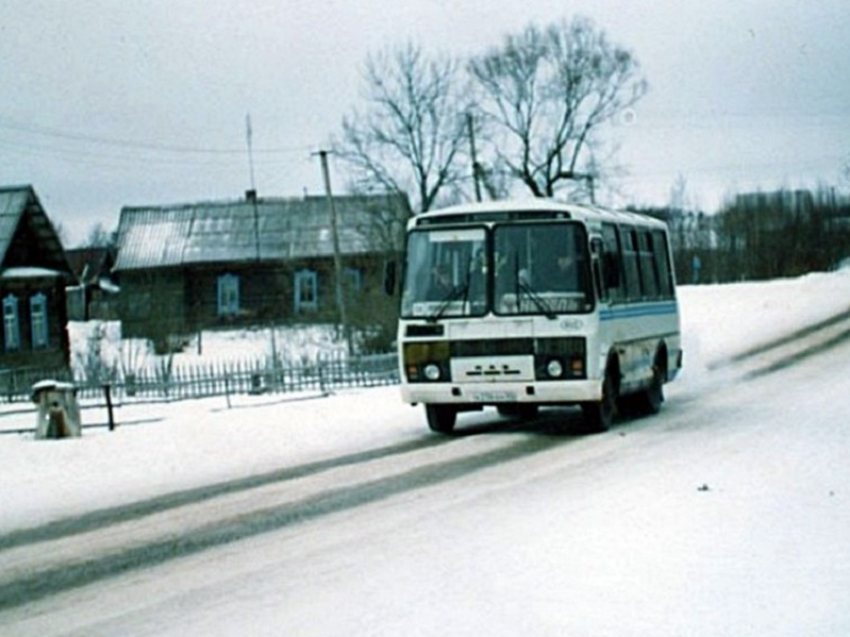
476	394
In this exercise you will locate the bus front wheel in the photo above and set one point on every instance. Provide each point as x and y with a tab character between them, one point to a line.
599	416
441	418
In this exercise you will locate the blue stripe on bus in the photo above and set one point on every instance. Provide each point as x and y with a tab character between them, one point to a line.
635	311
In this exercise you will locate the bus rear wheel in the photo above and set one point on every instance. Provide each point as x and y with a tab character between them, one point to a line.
441	418
599	416
650	399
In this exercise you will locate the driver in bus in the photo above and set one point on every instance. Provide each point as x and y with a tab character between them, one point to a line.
441	283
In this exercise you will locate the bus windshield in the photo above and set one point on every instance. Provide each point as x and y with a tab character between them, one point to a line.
541	268
446	273
527	268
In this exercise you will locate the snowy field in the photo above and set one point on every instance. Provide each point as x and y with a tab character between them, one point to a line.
728	533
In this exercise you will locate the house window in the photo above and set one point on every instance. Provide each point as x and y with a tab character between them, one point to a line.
306	291
353	280
11	327
228	295
38	320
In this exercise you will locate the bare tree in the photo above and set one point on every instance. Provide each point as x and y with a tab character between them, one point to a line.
412	136
545	92
100	237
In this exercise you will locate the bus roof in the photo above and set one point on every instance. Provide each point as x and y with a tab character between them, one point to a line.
530	209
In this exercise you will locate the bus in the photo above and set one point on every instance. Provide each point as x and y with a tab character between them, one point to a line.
527	304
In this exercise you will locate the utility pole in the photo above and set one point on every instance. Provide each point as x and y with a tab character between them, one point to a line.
248	134
340	299
475	167
591	187
252	193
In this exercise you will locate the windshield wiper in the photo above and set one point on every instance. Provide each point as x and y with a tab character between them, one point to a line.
541	303
523	286
457	292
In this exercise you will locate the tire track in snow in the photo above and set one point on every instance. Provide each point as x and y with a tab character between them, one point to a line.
36	583
790	349
100	518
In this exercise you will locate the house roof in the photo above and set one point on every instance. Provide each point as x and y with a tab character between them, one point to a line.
251	229
27	237
12	204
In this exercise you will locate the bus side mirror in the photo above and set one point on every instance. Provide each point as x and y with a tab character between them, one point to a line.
612	271
390	277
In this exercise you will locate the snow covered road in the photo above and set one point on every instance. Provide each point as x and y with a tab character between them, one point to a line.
508	526
727	514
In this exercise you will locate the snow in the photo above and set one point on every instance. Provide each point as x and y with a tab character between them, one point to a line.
29	273
720	320
98	346
725	515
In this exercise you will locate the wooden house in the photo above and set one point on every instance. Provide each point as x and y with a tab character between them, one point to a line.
255	261
33	275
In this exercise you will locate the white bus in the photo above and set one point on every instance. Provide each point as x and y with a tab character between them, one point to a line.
518	305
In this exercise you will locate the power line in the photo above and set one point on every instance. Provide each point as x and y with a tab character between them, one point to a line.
130	144
120	157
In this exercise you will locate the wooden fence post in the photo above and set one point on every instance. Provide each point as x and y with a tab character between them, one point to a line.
107	391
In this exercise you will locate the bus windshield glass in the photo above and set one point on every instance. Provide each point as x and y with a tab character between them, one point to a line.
446	273
527	268
541	268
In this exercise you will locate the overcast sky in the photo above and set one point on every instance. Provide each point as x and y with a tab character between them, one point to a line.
107	103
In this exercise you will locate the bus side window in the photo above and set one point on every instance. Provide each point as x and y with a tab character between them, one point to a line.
597	254
661	256
612	264
648	268
628	241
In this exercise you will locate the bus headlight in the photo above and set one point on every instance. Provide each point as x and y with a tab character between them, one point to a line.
554	368
560	359
432	371
427	362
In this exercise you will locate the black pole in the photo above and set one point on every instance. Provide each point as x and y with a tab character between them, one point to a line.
476	169
107	391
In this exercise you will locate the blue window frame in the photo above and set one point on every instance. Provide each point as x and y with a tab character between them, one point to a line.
11	324
306	291
38	320
228	295
353	278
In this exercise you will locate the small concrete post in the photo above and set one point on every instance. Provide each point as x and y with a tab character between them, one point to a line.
58	412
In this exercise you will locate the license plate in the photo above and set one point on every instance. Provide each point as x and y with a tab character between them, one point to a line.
494	397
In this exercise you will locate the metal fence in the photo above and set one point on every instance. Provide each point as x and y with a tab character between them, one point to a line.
164	382
16	384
